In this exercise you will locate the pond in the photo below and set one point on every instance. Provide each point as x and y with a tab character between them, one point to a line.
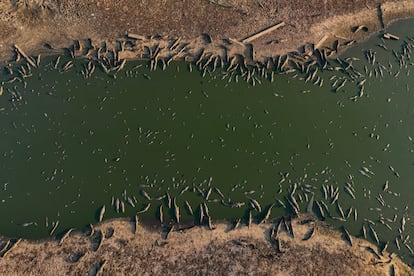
70	145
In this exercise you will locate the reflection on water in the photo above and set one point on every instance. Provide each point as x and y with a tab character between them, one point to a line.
71	145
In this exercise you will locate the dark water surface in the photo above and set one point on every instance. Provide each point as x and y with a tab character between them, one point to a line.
71	144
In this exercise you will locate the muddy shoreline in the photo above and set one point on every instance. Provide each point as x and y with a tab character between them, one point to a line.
120	246
219	27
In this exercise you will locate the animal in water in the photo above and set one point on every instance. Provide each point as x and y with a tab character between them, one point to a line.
145	194
347	236
189	209
236	223
255	204
65	236
55	226
146	208
176	211
161	214
267	214
101	213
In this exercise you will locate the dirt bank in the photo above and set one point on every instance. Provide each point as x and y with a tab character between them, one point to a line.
32	23
114	249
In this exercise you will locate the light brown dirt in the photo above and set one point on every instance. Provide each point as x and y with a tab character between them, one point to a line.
31	23
200	251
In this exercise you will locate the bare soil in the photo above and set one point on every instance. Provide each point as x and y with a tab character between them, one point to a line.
199	251
32	23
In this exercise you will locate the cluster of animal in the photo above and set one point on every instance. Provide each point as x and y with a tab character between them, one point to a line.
292	194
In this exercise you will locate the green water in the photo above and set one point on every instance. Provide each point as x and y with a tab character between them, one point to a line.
70	144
